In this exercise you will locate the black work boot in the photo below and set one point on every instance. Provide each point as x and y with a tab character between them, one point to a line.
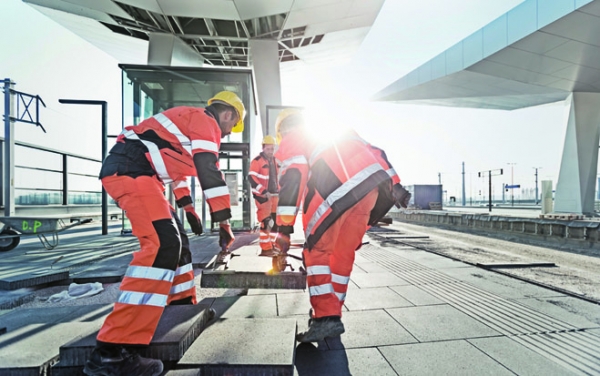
121	362
320	328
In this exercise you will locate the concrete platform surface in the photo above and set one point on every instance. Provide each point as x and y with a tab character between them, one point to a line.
407	312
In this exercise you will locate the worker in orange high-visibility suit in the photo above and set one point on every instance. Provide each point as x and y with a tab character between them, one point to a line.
166	148
263	181
346	185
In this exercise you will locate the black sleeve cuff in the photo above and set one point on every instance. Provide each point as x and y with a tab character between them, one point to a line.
220	215
185	200
261	200
286	230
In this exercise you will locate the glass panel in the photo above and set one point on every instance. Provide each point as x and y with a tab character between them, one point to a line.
454	59
30	157
473	48
424	72
495	36
438	66
522	21
551	10
579	3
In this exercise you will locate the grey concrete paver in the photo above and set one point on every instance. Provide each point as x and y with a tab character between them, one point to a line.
293	304
374	298
368	267
517	358
370	329
442	358
430	260
365	280
245	306
416	296
368	361
439	322
234	345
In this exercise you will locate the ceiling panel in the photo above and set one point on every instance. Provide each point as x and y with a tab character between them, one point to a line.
304	4
579	73
528	61
320	14
338	25
151	5
593	8
540	42
249	9
71	8
578	53
578	26
220	10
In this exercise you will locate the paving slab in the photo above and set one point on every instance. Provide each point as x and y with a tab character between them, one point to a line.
495	283
517	358
439	323
272	291
574	311
365	280
244	346
184	372
293	304
14	298
19	280
416	295
369	267
312	361
441	358
32	349
178	327
374	298
428	259
16	319
367	329
243	279
245	306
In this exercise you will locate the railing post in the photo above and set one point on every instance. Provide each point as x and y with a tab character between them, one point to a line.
8	166
65	175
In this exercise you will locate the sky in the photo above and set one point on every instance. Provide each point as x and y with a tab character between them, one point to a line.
425	144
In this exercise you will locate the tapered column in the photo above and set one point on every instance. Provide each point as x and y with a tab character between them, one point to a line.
265	63
577	178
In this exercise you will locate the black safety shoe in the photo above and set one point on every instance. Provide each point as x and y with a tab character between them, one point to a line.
320	328
122	363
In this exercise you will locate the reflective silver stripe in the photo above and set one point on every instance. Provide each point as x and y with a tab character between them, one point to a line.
179	184
340	192
287	210
253	173
320	290
157	161
147	272
265	240
255	191
173	129
216	192
391	172
315	154
341	279
184	269
341	296
140	298
182	287
205	145
298	159
318	270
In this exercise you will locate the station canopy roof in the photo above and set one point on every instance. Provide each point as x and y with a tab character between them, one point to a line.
538	52
219	30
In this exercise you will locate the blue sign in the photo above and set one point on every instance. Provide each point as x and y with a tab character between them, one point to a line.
512	186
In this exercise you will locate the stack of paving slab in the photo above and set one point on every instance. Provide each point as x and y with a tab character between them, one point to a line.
248	270
189	340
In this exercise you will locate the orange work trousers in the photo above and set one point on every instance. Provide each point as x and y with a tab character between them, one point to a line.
329	263
161	271
265	211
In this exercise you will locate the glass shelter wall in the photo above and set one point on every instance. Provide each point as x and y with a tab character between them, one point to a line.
148	90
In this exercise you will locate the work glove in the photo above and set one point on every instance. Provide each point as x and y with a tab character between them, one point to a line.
401	196
282	243
226	237
193	219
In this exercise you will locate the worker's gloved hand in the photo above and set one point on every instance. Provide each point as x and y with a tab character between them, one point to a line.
193	219
282	242
226	237
401	196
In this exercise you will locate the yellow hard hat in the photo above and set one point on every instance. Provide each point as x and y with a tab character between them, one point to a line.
269	140
231	99
284	114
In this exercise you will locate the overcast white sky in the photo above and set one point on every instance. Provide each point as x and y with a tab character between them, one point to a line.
422	141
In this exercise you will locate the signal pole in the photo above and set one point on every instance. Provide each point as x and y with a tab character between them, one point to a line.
536	185
489	174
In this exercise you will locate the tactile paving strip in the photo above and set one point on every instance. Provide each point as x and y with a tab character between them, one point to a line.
573	347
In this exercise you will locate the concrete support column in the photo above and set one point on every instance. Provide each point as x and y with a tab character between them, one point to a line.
265	62
577	178
169	50
8	160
